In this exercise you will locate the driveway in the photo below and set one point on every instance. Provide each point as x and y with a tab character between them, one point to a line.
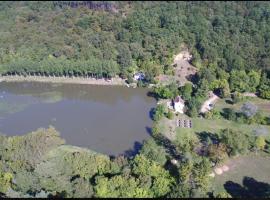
205	107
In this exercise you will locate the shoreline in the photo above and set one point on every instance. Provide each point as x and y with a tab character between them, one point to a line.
75	80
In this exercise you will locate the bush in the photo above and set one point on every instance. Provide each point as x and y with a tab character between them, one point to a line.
170	115
213	114
217	152
229	114
236	142
260	143
155	130
159	112
130	79
236	97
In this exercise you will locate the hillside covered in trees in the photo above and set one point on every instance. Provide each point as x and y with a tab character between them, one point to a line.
38	164
229	40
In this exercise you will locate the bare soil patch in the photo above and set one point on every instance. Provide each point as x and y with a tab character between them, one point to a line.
182	68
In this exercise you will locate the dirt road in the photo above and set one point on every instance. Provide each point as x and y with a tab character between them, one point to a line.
205	107
75	80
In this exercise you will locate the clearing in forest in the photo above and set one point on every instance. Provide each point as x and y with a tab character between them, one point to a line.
182	69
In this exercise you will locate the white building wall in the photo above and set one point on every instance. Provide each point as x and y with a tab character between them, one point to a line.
179	107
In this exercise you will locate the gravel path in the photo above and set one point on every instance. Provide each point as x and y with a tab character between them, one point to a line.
76	80
249	94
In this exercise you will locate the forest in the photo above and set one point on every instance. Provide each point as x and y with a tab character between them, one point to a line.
226	39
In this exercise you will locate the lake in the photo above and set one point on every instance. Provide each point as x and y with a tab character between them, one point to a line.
108	119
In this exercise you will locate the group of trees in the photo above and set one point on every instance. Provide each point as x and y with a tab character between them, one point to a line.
191	170
62	67
224	83
193	95
166	92
229	142
248	113
38	164
230	40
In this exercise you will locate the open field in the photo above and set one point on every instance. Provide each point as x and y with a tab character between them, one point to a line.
214	126
200	125
218	124
263	104
256	167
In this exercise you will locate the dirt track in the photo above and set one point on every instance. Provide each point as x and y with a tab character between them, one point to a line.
75	80
205	107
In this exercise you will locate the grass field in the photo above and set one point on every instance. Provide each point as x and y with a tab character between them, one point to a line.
263	104
256	167
214	126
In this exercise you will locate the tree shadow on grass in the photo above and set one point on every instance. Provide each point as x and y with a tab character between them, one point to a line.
168	145
250	189
172	153
229	101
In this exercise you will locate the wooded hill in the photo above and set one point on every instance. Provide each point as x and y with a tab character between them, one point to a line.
88	39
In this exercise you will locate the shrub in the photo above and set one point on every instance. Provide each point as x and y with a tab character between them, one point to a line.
159	112
170	115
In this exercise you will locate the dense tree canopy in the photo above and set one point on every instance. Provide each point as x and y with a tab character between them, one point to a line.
109	38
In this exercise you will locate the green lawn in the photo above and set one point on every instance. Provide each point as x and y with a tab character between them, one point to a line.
263	104
218	124
256	167
214	126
